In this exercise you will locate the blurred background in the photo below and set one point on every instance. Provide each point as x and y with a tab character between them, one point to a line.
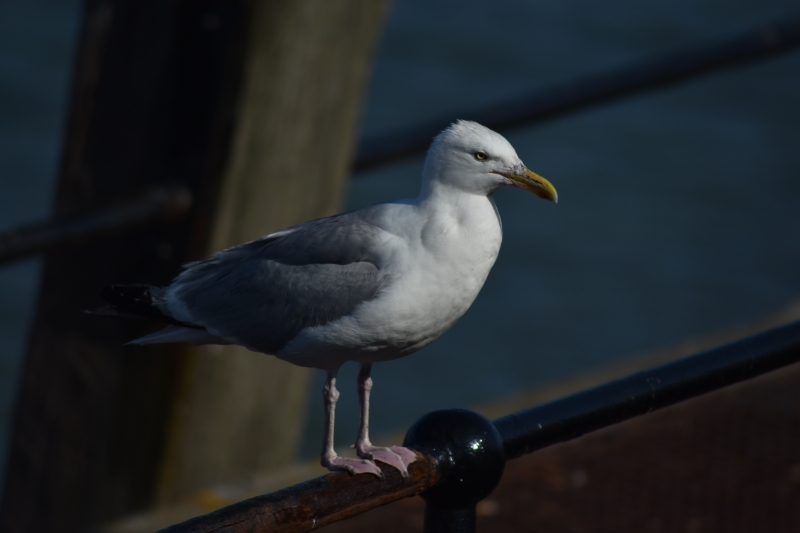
678	211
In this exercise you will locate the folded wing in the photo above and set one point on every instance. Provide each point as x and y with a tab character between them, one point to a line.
263	293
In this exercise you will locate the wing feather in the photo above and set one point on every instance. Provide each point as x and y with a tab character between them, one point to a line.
263	293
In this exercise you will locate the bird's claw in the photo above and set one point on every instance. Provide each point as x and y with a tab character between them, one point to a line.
351	464
395	456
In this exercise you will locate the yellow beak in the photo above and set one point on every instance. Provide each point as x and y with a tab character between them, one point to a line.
534	183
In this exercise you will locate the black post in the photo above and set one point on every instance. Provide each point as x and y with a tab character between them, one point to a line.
443	519
468	451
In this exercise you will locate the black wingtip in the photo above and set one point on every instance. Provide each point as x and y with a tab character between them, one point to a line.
112	311
134	299
128	296
137	300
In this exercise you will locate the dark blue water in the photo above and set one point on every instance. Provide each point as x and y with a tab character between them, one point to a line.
678	210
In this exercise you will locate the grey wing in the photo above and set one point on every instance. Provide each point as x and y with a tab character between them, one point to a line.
262	294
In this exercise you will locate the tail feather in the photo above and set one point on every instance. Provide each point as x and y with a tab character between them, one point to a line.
140	300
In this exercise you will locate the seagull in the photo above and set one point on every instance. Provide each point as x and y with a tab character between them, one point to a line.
369	285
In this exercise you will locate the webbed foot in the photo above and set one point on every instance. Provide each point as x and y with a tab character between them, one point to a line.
354	465
395	456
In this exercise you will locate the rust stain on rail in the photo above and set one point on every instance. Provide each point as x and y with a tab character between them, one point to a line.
315	503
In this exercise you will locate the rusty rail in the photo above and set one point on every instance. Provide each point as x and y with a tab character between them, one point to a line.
315	503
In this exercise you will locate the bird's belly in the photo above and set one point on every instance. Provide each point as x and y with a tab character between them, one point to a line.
426	303
420	302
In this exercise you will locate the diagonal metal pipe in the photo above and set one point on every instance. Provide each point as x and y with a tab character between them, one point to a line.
575	415
758	43
158	205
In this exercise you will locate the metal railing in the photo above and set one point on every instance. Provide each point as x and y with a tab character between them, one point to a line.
759	43
156	206
461	454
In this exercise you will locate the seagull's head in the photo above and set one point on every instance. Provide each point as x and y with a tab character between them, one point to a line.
475	159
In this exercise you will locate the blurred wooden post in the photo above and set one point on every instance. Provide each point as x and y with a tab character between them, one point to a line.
158	97
305	78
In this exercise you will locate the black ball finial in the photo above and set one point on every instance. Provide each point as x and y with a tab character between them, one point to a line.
469	454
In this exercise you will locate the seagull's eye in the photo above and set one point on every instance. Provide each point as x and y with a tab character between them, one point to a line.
481	156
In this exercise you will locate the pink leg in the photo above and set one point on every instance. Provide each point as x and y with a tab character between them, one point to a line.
396	456
329	459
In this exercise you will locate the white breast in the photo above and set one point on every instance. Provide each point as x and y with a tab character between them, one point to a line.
435	269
